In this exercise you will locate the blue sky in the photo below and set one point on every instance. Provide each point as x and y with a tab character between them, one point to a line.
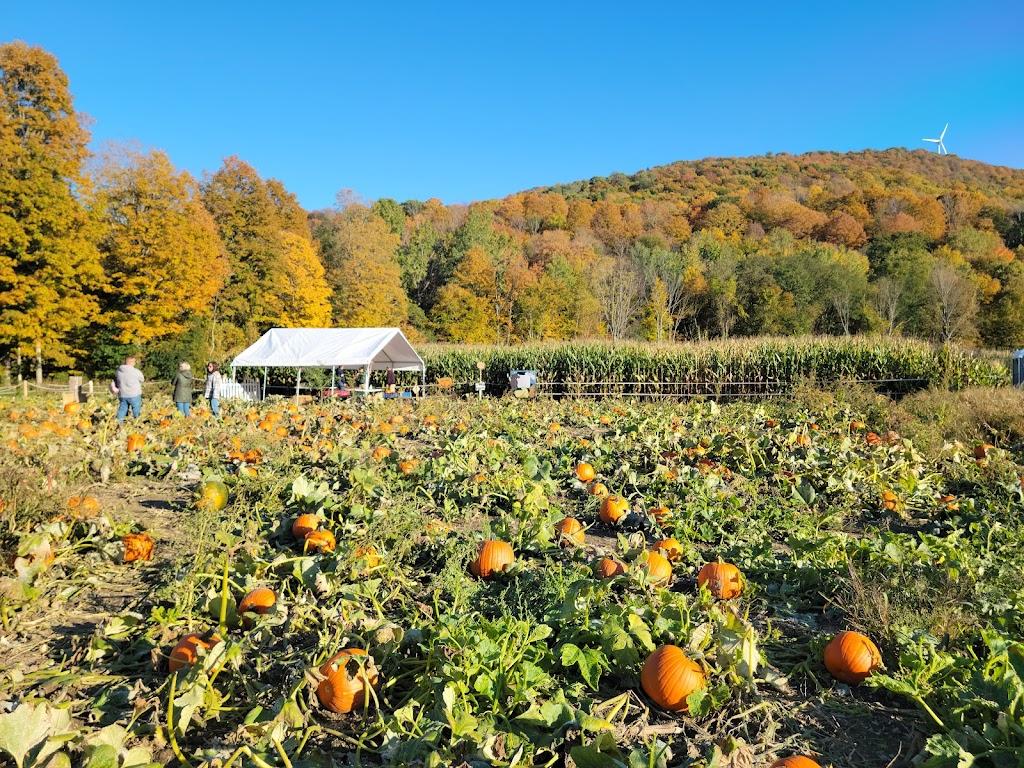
470	101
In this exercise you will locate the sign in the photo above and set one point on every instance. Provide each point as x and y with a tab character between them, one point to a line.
480	386
480	364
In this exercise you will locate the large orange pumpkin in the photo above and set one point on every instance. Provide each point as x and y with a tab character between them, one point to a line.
349	676
795	761
258	601
569	532
659	570
613	509
671	549
304	525
669	676
850	657
135	442
319	541
185	653
723	579
584	472
493	557
137	546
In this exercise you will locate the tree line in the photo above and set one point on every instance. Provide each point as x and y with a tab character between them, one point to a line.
121	251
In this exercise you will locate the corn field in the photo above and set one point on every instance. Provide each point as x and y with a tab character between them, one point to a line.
749	365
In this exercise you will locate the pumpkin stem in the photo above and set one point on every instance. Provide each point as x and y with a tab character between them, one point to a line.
172	739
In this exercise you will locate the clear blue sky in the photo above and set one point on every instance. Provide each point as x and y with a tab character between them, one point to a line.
470	101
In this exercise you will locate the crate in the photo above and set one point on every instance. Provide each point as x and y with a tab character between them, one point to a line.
1017	368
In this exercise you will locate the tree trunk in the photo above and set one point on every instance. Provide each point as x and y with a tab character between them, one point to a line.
39	363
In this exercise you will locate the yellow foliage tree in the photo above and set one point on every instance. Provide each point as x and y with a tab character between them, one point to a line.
161	251
302	287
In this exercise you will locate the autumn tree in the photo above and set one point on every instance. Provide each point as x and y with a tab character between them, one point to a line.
362	268
160	247
954	303
49	265
464	311
258	222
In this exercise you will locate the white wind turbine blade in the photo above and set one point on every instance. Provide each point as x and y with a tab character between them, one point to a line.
943	134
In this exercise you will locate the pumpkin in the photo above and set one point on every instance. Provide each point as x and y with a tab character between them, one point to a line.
319	541
369	554
72	407
569	532
661	514
659	570
380	453
304	525
584	472
408	467
83	506
212	496
609	568
598	489
135	442
723	579
670	549
981	451
669	676
137	546
858	426
613	509
795	761
186	652
492	557
258	601
850	657
349	676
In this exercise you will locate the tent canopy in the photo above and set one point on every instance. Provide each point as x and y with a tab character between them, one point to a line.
375	348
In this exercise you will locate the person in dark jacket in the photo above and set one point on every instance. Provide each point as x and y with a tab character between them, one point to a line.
182	382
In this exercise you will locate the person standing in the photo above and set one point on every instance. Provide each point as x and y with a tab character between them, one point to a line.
213	388
182	382
389	380
128	383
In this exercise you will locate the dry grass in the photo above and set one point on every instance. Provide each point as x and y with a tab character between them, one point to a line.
978	414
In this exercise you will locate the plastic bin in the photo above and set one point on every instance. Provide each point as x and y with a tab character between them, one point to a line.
1017	368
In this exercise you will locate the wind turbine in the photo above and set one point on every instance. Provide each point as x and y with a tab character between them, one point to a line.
939	146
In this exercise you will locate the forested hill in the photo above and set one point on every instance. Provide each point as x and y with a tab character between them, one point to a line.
920	171
102	255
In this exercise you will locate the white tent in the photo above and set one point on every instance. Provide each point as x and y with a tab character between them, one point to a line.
368	349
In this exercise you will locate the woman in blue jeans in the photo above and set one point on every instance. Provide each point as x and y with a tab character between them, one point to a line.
213	388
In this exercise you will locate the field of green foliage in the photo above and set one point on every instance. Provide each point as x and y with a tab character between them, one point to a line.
285	536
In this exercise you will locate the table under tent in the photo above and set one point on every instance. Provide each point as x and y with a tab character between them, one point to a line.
365	349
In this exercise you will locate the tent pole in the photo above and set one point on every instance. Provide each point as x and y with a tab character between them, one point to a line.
264	397
298	381
366	380
333	369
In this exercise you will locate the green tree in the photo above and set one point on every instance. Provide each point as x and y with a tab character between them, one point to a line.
49	265
392	214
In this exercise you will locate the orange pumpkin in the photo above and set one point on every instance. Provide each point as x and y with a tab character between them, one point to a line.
609	568
613	509
319	541
981	451
795	761
669	676
492	557
304	525
212	496
349	676
83	506
723	579
71	407
569	532
408	467
850	657
584	472
258	601
369	554
137	546
671	549
661	514
185	653
659	570
598	489
135	442
380	453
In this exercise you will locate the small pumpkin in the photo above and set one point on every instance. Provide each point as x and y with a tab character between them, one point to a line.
850	657
409	466
981	451
795	761
83	506
659	570
609	568
186	652
368	554
380	453
723	579
661	514
212	496
258	601
670	548
319	541
349	675
669	676
72	407
598	489
492	557
584	472
136	442
137	546
569	532
613	509
304	525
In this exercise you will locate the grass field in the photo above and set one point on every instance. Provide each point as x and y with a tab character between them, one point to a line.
843	511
